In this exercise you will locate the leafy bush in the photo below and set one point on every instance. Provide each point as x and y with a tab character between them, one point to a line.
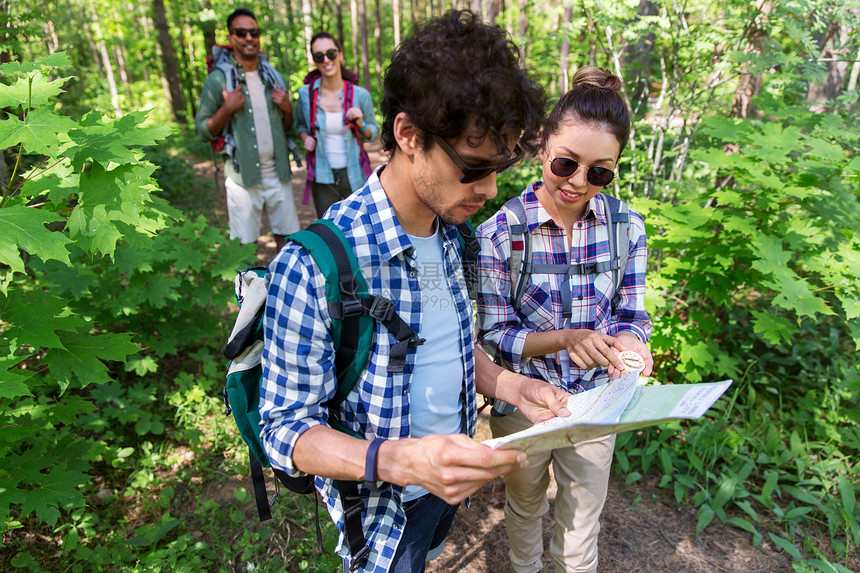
758	281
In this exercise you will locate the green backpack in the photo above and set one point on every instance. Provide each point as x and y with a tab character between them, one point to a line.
353	312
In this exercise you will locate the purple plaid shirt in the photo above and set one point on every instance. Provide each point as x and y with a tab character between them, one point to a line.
503	330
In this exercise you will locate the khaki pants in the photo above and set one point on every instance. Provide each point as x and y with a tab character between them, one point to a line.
582	474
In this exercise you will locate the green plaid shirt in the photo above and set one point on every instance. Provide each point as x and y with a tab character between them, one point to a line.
241	125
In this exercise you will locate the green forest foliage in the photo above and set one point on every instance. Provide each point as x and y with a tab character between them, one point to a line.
115	288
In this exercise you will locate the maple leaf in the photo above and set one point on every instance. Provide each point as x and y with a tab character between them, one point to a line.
39	128
31	92
55	60
772	328
795	294
57	488
13	382
24	228
82	354
37	329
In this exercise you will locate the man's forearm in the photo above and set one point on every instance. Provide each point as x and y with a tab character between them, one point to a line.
494	381
218	120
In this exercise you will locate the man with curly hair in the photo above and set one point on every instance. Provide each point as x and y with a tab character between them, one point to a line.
458	109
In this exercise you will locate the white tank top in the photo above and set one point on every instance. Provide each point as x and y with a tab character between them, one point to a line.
335	145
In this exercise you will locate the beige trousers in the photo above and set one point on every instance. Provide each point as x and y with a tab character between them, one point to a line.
582	475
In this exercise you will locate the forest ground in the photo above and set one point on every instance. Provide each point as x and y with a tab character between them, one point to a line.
643	528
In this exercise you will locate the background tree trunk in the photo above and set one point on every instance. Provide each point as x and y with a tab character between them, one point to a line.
365	50
834	53
353	11
749	85
106	62
564	57
377	38
307	29
171	68
396	11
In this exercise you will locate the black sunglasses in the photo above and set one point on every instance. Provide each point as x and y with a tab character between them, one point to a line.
319	57
243	32
596	175
472	174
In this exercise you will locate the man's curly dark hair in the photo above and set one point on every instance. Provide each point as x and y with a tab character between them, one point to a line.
456	69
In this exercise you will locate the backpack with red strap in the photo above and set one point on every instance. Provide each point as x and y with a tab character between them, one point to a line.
310	156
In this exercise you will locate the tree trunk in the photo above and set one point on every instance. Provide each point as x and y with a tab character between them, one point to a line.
106	62
748	84
308	30
492	11
171	67
340	37
524	26
353	12
564	57
377	38
208	28
365	50
834	52
396	9
476	7
143	21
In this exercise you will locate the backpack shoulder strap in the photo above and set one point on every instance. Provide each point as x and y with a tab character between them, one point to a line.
470	247
352	309
618	230
518	229
313	93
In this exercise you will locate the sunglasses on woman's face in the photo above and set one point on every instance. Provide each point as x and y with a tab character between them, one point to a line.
472	174
319	57
243	32
596	175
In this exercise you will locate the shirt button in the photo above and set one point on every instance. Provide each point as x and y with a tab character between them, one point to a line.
579	225
252	129
412	274
405	391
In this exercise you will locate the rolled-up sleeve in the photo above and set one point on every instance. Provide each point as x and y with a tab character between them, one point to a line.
365	103
298	355
303	111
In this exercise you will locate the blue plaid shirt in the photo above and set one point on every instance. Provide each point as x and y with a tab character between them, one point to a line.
503	330
298	358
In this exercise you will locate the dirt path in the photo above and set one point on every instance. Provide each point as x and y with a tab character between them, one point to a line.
654	536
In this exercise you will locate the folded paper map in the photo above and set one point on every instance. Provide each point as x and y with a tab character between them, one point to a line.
617	406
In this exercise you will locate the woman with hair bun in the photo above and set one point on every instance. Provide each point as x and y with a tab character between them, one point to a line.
335	117
572	314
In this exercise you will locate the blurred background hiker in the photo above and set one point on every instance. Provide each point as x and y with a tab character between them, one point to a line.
335	118
253	117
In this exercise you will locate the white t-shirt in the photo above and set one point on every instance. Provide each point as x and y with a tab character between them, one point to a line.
262	126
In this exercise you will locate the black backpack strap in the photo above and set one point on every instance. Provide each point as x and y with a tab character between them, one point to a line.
352	306
470	247
353	505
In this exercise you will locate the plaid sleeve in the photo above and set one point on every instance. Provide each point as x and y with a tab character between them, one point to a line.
631	314
298	355
499	329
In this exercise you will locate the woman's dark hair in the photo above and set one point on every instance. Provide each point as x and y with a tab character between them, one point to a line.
594	98
347	74
454	70
239	12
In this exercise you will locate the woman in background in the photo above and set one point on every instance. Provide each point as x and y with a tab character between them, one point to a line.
334	118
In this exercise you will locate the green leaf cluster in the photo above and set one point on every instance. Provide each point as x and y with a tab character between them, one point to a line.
100	281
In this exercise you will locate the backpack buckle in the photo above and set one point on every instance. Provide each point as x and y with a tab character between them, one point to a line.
359	558
381	309
227	409
350	307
